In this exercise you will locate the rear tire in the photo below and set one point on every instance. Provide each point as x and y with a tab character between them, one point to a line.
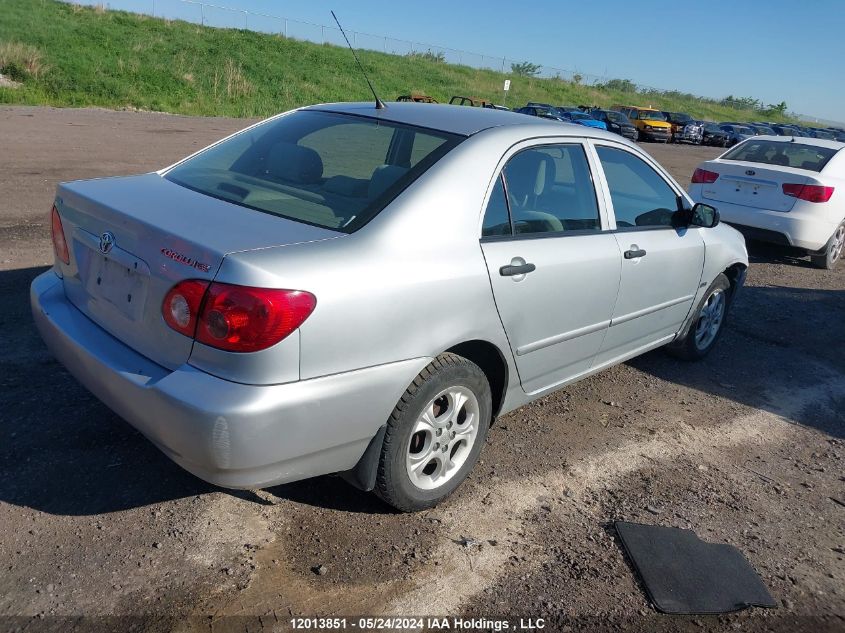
832	250
435	434
707	324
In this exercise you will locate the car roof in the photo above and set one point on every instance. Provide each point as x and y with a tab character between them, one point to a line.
463	120
803	140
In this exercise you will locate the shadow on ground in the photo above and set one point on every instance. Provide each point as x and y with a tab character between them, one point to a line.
778	341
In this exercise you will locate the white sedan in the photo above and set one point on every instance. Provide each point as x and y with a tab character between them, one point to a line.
781	189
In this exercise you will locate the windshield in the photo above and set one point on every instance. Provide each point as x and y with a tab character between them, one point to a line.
616	117
763	129
741	129
712	127
680	117
651	115
781	153
330	170
578	116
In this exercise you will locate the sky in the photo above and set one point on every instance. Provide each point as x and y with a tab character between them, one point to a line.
772	50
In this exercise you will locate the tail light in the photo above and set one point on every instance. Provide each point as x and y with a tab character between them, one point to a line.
810	193
703	176
181	305
235	318
59	241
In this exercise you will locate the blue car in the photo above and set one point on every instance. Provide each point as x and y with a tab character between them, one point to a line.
582	118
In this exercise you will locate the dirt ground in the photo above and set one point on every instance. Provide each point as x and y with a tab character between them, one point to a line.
746	448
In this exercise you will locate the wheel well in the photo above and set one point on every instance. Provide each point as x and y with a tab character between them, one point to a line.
734	274
488	357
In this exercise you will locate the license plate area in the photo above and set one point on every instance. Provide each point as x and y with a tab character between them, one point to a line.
750	189
122	283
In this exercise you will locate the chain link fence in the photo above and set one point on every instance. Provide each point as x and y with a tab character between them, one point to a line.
221	16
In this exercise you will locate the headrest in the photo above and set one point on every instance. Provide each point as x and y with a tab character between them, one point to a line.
527	174
384	176
346	186
294	163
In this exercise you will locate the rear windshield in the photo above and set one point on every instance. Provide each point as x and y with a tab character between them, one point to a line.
795	155
330	170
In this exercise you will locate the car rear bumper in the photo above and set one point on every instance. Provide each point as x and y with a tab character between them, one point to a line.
229	434
801	229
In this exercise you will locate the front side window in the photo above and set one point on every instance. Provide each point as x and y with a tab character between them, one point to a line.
641	197
330	170
549	190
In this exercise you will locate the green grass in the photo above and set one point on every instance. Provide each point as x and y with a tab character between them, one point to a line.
113	59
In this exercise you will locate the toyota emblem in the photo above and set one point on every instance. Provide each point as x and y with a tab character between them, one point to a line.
106	242
750	172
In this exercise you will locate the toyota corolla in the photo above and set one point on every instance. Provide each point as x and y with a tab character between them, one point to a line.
344	289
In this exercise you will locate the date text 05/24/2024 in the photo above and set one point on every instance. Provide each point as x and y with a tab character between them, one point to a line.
416	623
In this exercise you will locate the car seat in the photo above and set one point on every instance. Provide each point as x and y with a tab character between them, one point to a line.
527	175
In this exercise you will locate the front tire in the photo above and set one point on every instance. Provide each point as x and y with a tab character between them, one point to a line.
708	323
435	434
832	251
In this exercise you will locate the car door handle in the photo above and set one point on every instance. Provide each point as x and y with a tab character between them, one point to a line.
634	253
510	271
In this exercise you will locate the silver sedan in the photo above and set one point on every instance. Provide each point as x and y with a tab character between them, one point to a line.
341	289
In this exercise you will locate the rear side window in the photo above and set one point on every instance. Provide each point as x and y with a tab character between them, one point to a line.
547	190
497	217
331	170
798	155
641	197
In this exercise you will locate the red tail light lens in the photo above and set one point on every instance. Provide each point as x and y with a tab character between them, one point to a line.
245	319
235	318
704	177
810	193
59	242
181	306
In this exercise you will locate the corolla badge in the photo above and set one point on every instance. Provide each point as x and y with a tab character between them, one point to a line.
106	242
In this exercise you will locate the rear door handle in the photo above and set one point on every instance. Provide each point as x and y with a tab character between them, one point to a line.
510	271
634	253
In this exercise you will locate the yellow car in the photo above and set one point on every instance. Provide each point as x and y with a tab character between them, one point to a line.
650	123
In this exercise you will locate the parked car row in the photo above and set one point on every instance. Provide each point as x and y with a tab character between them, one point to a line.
649	124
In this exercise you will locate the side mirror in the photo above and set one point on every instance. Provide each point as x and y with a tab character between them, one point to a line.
704	215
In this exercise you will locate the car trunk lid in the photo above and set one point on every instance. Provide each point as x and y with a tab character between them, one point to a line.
752	184
155	233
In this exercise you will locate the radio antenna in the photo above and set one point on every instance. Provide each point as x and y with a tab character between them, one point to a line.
379	103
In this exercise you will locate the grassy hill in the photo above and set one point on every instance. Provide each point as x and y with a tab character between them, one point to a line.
64	55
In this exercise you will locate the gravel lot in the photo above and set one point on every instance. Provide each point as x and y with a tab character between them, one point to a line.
747	448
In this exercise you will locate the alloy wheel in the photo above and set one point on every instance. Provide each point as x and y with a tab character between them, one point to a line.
442	437
837	243
710	319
